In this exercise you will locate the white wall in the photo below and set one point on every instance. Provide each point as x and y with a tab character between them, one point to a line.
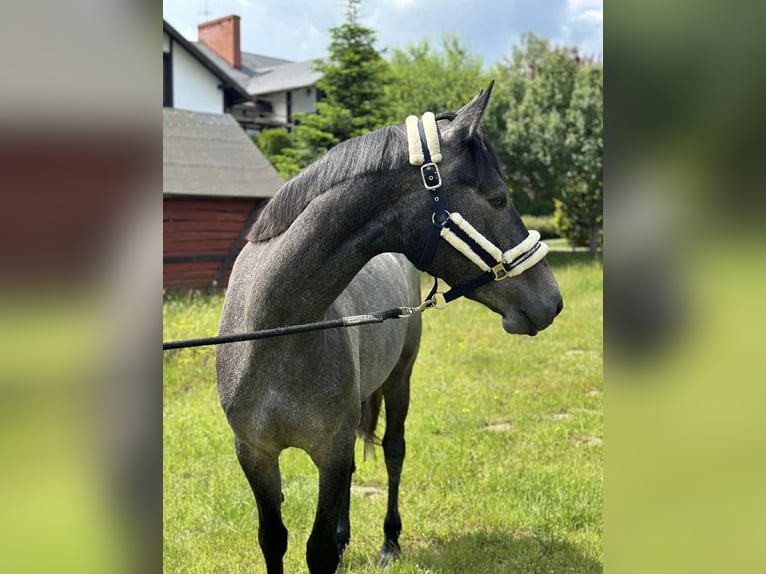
195	88
304	100
278	102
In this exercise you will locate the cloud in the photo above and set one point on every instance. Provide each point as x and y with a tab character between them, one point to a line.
584	25
592	16
589	12
402	4
584	5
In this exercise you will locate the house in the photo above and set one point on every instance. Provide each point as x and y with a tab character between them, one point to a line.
215	182
192	81
215	179
277	88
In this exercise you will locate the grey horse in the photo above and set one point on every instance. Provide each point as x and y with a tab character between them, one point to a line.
336	241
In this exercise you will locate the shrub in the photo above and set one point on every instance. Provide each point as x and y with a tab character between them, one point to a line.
542	223
272	142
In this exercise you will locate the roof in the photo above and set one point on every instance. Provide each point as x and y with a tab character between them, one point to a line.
241	77
209	155
229	82
265	75
285	77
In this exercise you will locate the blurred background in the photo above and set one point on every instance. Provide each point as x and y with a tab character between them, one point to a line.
81	284
684	235
80	287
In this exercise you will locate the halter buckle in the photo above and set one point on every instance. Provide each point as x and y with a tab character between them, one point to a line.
431	177
499	271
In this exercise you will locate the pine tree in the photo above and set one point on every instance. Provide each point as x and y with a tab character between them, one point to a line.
353	95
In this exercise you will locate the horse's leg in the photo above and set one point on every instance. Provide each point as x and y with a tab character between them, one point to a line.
396	392
262	472
334	462
344	523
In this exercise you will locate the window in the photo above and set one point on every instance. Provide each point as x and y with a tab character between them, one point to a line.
167	80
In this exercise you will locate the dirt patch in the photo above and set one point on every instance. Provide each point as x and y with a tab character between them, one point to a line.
594	440
366	491
498	427
587	411
559	416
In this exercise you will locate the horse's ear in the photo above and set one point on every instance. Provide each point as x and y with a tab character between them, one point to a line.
467	120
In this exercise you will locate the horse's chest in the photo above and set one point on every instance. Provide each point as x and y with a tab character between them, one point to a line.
295	407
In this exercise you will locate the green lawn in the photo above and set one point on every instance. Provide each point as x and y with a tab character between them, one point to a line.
504	468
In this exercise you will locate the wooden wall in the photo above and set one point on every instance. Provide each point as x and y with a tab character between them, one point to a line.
201	238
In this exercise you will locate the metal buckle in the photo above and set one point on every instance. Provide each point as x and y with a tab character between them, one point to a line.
440	223
431	177
499	271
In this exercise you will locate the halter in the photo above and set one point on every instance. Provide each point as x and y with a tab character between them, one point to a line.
423	143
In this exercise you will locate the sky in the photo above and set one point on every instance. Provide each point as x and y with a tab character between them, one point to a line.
299	29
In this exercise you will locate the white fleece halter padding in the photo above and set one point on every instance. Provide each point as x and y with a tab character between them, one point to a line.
417	157
508	257
413	141
523	247
474	234
432	136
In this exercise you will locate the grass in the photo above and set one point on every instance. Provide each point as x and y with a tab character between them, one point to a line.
504	466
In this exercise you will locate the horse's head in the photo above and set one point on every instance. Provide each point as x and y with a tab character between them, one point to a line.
467	232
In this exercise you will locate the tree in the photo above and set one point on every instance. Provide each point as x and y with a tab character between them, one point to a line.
579	206
422	79
528	121
353	102
273	141
354	73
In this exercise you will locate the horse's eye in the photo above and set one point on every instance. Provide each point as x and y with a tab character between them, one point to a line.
499	202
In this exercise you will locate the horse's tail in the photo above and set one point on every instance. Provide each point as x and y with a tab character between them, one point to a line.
369	422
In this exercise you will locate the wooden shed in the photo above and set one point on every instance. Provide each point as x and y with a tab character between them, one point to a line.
215	182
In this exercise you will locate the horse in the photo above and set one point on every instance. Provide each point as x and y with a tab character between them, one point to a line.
343	237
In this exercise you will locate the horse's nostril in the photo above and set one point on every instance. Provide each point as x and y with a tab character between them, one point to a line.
560	306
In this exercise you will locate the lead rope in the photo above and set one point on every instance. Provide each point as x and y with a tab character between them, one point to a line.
423	144
343	322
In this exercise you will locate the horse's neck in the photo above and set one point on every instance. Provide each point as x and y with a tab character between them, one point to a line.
305	269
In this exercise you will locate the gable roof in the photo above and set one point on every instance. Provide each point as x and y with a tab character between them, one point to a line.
235	91
209	155
241	76
263	74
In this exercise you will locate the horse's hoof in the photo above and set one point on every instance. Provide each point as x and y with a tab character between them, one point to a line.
389	554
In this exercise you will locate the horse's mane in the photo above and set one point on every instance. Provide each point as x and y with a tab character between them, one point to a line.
378	151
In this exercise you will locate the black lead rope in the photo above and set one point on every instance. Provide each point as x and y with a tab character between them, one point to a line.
351	321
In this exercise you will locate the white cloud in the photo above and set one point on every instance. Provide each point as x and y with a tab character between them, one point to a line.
575	6
592	16
591	11
584	25
402	4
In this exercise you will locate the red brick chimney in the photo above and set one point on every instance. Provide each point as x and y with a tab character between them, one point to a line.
222	36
